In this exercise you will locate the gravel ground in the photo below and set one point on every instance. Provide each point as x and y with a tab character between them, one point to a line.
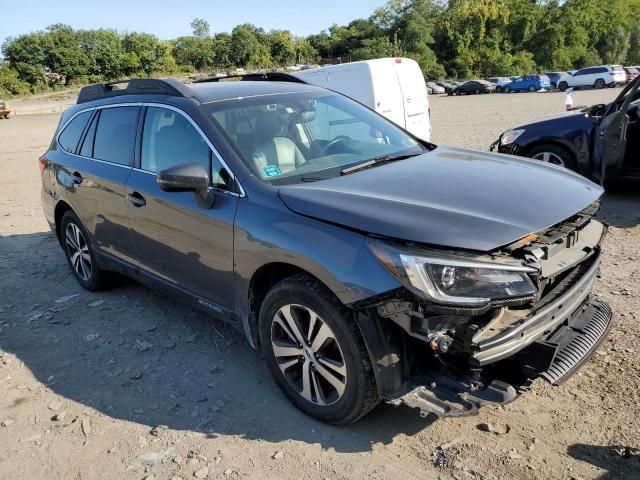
129	384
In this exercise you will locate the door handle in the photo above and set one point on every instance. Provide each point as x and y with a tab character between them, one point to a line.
76	178
136	199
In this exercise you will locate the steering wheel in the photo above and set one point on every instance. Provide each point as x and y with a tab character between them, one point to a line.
334	142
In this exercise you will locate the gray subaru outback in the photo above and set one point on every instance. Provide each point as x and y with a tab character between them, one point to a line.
366	264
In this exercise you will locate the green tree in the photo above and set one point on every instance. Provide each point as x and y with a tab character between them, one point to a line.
282	46
144	53
103	48
200	28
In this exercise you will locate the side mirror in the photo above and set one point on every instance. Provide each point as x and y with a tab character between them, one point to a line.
189	177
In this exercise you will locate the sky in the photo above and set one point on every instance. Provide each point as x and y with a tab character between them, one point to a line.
171	18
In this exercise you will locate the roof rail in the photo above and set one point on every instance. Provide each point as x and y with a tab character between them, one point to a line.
138	86
255	77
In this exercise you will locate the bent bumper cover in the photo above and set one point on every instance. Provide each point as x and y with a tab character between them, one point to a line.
539	324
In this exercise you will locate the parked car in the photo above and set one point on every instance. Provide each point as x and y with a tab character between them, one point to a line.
601	142
448	85
499	82
632	73
5	110
597	77
528	83
393	87
554	77
473	87
435	88
366	264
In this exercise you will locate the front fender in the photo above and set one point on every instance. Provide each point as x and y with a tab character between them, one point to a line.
266	231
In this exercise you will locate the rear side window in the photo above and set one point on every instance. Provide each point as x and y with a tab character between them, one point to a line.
115	134
70	136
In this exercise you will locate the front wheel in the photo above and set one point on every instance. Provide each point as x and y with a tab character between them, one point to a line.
315	351
562	86
532	89
600	83
507	89
555	155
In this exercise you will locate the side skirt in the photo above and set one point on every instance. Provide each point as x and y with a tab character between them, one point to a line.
111	263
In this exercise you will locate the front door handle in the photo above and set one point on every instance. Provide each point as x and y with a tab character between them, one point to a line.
136	199
76	178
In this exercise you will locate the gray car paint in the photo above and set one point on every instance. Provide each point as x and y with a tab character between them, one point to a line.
449	197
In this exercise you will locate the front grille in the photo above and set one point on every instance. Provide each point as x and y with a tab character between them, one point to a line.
583	342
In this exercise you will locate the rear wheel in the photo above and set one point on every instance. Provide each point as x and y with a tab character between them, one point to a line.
315	351
562	86
554	155
532	89
600	83
80	253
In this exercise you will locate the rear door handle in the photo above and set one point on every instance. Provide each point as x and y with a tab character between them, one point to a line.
136	199
76	178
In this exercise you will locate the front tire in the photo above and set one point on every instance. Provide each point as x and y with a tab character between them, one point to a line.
562	86
555	155
600	84
80	253
315	351
532	89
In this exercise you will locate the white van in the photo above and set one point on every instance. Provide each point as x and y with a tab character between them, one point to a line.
393	87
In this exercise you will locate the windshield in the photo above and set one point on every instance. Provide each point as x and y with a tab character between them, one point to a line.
295	137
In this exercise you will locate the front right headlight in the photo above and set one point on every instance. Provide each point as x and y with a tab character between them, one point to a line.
449	279
511	136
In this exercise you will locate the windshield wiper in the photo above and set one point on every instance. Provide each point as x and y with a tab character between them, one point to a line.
313	179
377	161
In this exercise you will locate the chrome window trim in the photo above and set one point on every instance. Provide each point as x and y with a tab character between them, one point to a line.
157	105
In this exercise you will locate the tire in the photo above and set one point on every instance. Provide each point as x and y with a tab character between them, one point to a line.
297	299
553	86
562	86
507	89
72	233
477	91
600	83
498	89
532	89
554	154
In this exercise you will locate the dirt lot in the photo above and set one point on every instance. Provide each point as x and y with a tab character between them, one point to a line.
129	384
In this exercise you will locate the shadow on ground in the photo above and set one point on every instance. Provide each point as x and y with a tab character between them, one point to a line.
139	356
618	461
622	208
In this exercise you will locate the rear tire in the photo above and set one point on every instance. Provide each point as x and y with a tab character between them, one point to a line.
507	89
79	250
532	89
555	155
294	316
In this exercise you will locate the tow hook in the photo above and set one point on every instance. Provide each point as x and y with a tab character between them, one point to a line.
441	343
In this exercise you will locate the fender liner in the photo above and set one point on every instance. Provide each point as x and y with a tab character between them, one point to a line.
385	348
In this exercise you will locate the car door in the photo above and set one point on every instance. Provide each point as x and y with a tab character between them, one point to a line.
179	240
96	175
611	135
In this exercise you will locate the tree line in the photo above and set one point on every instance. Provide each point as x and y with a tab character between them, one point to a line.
454	38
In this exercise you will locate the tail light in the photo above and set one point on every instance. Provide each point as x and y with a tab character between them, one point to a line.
42	163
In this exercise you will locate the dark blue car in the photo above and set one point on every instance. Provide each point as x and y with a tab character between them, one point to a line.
365	264
554	78
528	83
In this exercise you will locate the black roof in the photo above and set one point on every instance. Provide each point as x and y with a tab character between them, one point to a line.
203	92
219	91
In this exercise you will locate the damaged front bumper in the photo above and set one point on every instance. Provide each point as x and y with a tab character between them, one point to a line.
492	355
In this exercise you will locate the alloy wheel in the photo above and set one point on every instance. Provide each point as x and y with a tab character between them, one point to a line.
78	251
550	157
308	354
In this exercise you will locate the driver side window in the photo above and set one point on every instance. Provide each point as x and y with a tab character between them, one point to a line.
169	139
330	123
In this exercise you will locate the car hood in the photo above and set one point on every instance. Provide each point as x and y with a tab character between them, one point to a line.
448	197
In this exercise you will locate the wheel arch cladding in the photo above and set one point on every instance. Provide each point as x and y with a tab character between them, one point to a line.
62	207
